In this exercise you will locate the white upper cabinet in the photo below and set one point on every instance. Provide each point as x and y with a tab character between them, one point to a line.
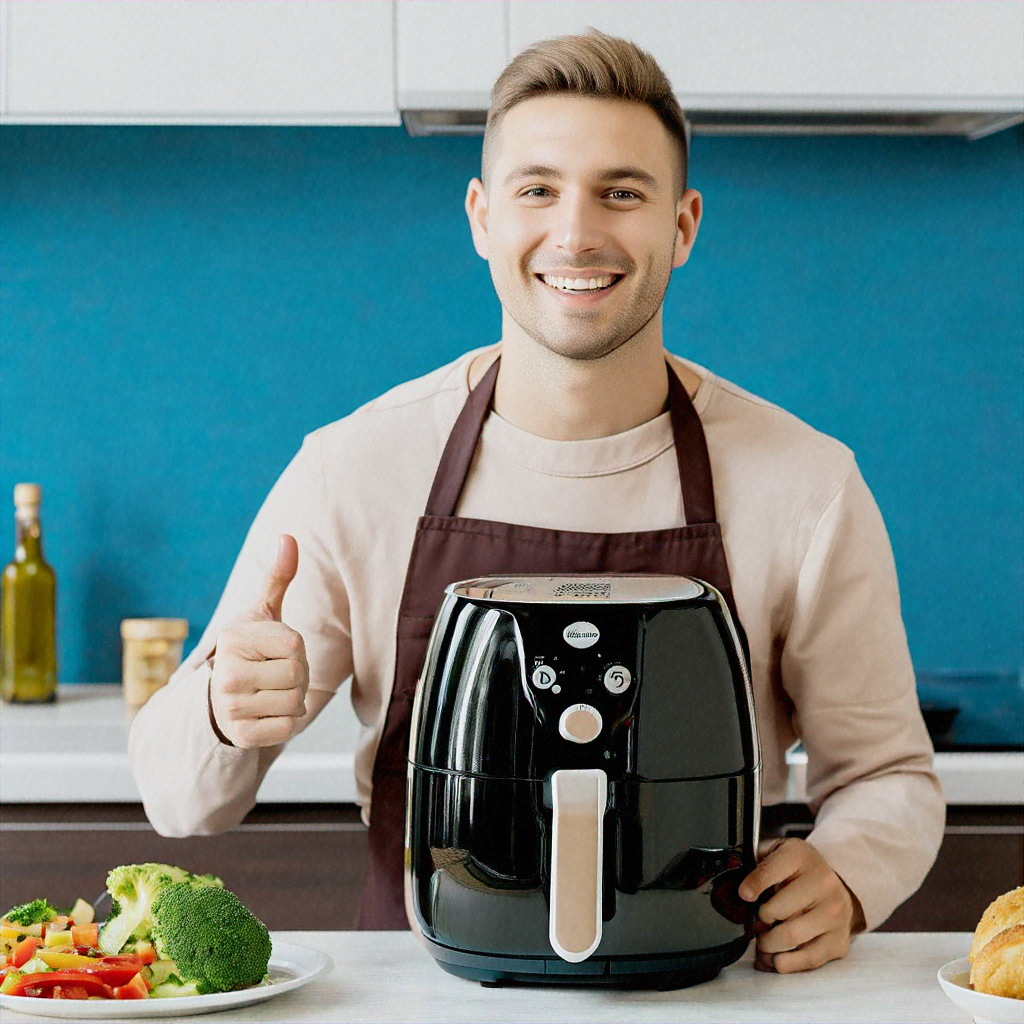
927	59
450	52
3	58
875	54
217	61
361	61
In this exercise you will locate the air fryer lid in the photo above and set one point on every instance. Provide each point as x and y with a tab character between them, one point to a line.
650	665
635	589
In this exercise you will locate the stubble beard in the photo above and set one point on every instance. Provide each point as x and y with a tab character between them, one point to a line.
565	332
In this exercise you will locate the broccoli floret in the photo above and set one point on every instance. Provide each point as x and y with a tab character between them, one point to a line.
36	912
213	938
134	888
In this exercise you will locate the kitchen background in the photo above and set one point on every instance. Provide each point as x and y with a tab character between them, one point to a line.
215	236
181	304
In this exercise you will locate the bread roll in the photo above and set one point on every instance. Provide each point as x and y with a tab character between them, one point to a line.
998	970
997	953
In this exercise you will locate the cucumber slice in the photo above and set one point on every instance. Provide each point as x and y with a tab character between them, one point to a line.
118	930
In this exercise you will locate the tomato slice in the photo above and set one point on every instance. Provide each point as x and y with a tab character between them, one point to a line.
85	934
23	951
114	970
135	989
70	992
43	984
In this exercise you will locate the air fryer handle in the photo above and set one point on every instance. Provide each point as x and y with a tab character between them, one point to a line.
578	799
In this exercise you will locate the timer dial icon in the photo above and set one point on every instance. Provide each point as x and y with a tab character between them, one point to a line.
617	679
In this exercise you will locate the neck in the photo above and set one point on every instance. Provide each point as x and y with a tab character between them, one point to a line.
566	399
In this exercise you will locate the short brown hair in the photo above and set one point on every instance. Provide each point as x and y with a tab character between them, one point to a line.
592	64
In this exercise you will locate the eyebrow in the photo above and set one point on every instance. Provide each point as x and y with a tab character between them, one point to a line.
608	174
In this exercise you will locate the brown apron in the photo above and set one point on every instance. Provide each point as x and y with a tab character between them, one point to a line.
449	548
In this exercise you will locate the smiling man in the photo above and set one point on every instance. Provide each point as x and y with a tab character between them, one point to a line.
578	443
582	220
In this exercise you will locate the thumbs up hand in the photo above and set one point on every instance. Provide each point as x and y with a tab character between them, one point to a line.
260	674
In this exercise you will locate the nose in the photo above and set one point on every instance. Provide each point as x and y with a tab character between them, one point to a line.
578	226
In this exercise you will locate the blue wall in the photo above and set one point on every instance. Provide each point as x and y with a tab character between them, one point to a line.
181	304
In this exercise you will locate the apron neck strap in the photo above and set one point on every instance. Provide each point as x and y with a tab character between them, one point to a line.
457	456
691	454
691	451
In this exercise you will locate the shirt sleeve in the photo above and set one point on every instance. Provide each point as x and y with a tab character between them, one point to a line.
847	668
190	782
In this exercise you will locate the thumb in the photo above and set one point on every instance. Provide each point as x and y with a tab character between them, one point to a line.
281	574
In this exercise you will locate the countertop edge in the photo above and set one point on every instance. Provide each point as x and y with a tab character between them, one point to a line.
319	765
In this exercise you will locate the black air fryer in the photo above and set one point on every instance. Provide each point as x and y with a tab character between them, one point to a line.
584	782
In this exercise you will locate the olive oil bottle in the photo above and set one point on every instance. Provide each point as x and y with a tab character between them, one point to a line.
28	640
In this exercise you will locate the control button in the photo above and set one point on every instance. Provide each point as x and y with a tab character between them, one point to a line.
580	723
617	679
543	676
556	688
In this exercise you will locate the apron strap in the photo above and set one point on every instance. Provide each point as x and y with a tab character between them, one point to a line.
457	457
691	454
690	444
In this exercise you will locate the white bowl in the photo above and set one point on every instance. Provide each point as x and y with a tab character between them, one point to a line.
985	1009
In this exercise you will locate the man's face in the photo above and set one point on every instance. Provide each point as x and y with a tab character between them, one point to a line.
582	191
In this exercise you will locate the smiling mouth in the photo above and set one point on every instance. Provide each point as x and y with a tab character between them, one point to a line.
585	285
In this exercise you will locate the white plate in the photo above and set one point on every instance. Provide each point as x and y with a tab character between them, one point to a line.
290	967
985	1009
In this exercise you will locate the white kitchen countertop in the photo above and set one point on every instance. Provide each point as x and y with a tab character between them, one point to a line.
76	748
387	976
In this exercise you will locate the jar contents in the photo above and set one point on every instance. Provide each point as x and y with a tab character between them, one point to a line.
28	635
152	650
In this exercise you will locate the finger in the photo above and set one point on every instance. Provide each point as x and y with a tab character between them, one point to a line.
263	732
257	677
281	574
796	931
260	641
779	866
275	703
793	898
831	946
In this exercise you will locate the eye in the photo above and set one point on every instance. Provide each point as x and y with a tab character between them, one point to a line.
623	195
536	192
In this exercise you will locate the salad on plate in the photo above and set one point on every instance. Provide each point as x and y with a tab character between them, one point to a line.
169	933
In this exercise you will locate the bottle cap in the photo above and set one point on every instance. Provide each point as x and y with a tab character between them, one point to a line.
27	494
154	629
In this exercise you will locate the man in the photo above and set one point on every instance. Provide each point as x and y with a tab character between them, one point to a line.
576	444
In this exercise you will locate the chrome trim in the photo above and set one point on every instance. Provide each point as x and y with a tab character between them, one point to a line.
579	588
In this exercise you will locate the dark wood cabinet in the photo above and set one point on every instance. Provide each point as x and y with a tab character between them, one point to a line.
303	867
297	868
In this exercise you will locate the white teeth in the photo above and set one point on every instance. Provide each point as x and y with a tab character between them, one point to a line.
578	284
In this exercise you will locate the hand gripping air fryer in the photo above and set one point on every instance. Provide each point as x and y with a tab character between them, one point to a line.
584	782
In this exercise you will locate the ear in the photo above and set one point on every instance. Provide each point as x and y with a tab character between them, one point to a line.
688	211
476	211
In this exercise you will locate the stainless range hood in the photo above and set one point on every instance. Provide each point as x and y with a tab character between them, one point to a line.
969	124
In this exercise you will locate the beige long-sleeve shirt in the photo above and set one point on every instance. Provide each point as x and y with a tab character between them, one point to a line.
812	573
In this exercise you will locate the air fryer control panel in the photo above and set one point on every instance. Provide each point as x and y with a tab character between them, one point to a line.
581	668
